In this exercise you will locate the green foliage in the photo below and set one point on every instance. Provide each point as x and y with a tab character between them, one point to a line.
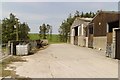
64	30
12	29
44	30
24	28
88	14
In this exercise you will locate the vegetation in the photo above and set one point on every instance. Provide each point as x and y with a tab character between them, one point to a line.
4	64
0	34
64	30
34	36
45	31
53	39
12	29
87	15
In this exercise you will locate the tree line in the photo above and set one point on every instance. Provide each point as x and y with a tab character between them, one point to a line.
64	29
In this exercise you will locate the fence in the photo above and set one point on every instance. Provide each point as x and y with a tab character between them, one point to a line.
5	50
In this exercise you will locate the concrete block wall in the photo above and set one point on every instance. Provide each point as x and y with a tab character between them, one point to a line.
100	42
81	41
71	39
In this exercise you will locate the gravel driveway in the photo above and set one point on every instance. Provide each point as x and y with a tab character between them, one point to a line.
68	61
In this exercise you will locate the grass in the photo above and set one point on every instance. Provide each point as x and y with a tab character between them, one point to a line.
4	64
34	36
54	39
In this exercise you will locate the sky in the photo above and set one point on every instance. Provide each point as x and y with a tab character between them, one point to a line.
53	13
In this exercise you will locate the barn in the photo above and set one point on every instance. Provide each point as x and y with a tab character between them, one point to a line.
79	32
99	32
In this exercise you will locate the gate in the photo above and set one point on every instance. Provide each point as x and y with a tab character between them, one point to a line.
117	51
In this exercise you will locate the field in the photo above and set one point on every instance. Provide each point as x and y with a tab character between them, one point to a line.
34	36
54	39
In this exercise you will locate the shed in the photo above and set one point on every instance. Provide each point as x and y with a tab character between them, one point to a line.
79	31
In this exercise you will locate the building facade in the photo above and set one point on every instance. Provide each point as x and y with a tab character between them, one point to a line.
99	30
79	32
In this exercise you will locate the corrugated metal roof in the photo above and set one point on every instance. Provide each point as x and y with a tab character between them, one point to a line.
78	21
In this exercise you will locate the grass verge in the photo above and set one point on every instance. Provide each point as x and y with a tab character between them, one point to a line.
6	62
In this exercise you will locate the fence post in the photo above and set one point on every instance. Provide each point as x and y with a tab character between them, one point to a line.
11	48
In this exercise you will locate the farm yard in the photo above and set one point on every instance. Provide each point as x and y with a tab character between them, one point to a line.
67	61
60	40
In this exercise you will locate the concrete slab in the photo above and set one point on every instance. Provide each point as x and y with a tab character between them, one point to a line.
68	61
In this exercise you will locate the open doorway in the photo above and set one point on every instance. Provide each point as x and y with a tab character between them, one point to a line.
111	32
76	36
111	39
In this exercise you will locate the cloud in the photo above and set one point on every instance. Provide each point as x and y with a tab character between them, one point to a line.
37	13
24	16
34	20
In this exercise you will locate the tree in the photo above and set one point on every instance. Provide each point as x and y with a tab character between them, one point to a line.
12	29
8	31
64	30
23	28
49	31
82	15
77	14
44	30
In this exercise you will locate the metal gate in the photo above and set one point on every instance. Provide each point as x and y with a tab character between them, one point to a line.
117	51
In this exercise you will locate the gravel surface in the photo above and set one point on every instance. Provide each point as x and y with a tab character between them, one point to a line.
67	61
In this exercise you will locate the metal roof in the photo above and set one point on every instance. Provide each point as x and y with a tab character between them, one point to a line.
107	12
78	21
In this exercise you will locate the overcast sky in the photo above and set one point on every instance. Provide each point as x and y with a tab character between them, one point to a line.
53	13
